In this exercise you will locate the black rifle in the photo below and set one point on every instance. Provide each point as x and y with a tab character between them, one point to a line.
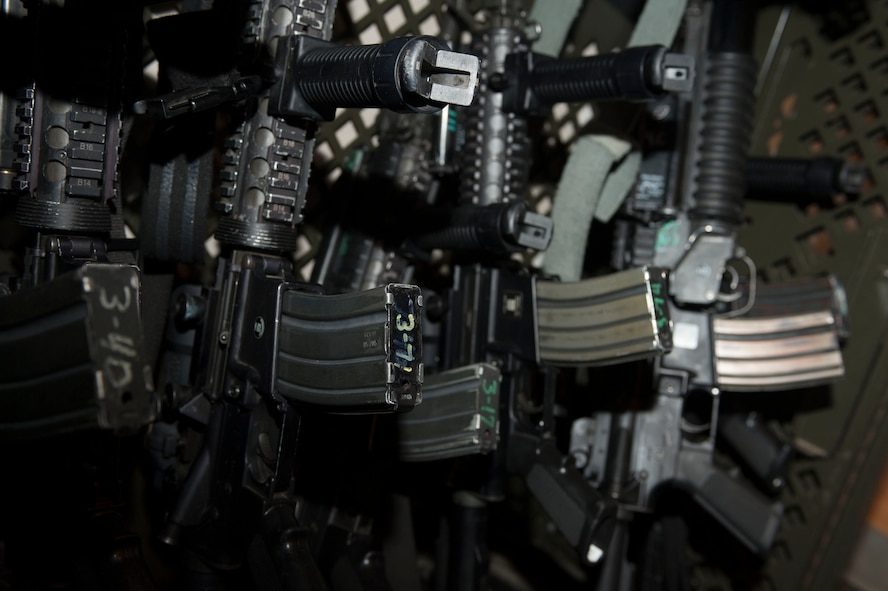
729	333
268	350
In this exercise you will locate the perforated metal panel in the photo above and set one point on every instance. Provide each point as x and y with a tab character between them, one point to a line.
823	91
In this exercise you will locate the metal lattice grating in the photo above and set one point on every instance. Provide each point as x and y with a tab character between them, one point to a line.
823	92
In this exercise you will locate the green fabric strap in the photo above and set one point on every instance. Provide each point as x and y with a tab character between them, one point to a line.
600	171
555	19
618	184
658	23
586	190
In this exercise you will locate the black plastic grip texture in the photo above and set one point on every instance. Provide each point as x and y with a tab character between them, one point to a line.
626	75
341	76
815	177
387	75
728	105
473	228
